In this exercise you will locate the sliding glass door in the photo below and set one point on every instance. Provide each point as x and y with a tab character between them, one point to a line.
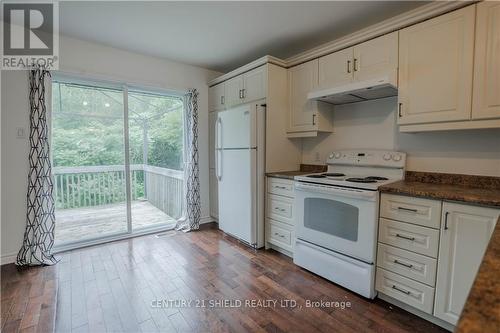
117	160
156	144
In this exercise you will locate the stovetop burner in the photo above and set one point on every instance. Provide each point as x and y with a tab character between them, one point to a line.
361	180
316	176
333	174
376	178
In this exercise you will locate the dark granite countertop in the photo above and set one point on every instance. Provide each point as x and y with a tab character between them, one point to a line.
480	196
481	312
464	188
287	174
304	170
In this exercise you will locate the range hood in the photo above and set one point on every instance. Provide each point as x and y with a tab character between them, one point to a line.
380	87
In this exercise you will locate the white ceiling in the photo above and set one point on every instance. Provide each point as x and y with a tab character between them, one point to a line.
221	35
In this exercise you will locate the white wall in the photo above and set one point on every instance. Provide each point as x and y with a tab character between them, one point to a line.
97	61
373	125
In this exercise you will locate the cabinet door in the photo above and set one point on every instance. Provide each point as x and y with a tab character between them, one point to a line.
465	233
336	68
435	68
376	57
212	118
234	89
216	97
214	194
255	84
302	112
486	94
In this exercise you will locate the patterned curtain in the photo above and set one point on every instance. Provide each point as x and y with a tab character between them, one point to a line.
191	209
40	220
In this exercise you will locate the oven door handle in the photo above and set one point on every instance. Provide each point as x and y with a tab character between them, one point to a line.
335	190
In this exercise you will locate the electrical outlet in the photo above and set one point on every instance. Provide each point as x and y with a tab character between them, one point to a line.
21	133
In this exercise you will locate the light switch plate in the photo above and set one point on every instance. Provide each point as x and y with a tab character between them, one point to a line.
21	133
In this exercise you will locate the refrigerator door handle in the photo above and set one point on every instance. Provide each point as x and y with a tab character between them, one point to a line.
218	158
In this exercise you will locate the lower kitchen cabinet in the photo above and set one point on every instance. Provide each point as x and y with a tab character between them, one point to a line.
430	262
465	233
280	225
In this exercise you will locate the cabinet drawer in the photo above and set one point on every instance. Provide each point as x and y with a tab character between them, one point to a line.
405	290
280	186
280	208
409	237
419	211
279	234
408	264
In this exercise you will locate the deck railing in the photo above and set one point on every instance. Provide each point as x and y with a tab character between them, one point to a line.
87	186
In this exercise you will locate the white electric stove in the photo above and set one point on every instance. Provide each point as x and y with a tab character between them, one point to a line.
337	216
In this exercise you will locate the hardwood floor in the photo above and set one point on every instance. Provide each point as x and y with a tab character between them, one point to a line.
125	287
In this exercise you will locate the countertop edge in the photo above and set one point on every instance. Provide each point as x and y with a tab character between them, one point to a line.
480	313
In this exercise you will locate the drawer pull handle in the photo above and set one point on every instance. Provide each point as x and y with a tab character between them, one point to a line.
280	187
405	237
408	209
280	209
277	234
401	290
402	264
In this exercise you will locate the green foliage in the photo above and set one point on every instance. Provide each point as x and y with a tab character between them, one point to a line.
88	130
88	127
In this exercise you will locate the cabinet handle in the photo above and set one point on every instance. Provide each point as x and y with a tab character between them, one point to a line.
401	290
280	187
405	237
400	106
222	100
243	93
354	65
314	119
446	220
402	264
408	209
348	66
239	93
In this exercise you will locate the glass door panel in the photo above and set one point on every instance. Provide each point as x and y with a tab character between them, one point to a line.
88	162
156	159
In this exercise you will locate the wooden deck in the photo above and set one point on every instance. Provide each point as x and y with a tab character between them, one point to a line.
91	222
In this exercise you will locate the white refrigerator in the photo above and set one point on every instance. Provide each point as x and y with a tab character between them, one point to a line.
239	149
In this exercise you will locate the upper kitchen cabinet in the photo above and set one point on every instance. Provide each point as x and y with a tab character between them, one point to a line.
248	87
336	69
255	84
364	61
376	57
306	117
435	69
216	97
234	88
486	91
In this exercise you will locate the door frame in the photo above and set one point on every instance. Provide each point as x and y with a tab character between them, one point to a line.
124	87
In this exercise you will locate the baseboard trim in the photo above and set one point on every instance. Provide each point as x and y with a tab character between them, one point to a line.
421	314
207	219
8	258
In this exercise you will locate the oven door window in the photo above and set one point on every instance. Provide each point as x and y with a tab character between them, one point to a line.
331	217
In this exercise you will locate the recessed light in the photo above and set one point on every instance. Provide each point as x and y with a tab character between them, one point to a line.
85	103
107	105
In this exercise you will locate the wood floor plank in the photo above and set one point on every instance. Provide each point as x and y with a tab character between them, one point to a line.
120	287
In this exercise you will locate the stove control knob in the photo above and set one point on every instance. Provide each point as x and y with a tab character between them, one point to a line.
337	155
396	157
387	157
331	156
